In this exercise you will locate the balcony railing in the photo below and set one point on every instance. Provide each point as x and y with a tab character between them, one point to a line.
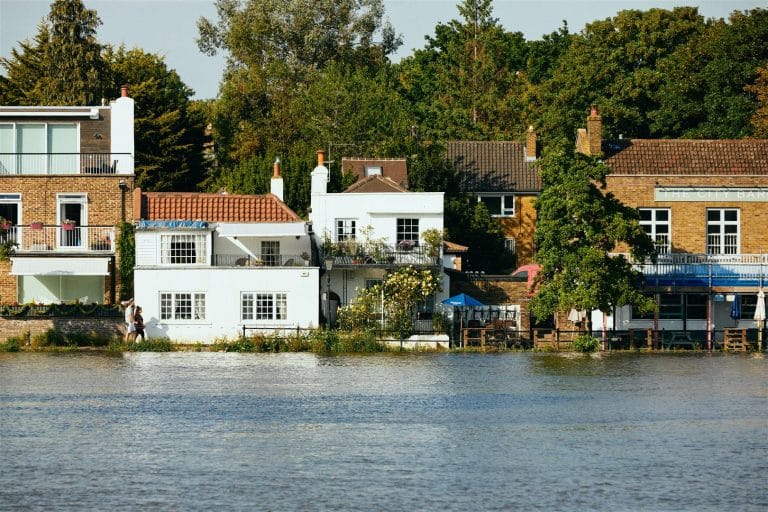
262	260
39	238
66	163
384	256
706	270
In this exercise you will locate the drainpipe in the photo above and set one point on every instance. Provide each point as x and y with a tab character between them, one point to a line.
709	304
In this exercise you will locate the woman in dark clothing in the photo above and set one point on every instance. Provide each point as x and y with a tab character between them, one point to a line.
138	322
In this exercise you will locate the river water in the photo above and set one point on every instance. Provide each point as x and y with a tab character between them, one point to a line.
521	431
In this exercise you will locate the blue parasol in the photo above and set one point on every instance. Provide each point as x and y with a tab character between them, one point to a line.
462	299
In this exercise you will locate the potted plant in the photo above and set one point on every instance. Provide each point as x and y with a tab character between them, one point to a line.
433	242
5	224
68	225
305	257
36	225
406	245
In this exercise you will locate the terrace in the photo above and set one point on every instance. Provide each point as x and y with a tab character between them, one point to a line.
66	163
39	238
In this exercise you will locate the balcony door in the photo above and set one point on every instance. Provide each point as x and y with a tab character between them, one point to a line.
39	148
72	216
10	216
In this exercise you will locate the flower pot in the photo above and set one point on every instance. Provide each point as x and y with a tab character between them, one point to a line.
35	225
68	226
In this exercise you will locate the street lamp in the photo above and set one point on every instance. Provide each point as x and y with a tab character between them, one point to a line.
328	262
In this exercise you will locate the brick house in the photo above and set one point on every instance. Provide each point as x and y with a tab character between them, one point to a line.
705	204
65	180
502	175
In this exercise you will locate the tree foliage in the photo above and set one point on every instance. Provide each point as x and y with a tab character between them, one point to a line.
760	90
578	227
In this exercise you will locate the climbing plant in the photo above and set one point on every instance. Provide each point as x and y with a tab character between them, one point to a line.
126	257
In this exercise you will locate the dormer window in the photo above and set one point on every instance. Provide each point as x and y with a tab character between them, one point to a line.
372	170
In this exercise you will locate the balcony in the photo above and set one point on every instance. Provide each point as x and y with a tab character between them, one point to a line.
37	238
382	256
65	163
705	270
263	260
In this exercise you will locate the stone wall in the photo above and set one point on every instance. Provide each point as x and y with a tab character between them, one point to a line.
100	327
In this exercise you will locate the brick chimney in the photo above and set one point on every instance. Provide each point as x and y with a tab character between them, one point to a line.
276	184
530	145
123	91
594	132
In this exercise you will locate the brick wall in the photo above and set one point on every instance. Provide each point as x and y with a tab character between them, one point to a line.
521	227
102	327
688	219
497	290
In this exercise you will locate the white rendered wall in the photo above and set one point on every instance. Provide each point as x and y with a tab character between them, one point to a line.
222	286
122	133
378	210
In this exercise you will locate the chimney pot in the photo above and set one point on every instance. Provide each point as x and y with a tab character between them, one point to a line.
320	157
123	91
276	169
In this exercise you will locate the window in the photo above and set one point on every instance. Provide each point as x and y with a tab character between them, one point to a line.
182	306
263	306
655	222
182	249
10	212
270	252
499	205
372	170
408	229
722	231
509	245
345	229
39	148
748	306
370	283
673	305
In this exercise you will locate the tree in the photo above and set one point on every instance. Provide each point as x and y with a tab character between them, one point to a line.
614	63
703	91
577	228
169	132
64	66
469	223
464	83
760	90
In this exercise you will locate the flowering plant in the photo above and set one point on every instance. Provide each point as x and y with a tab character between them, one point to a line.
406	245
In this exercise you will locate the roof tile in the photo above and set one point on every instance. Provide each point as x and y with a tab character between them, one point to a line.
215	207
496	166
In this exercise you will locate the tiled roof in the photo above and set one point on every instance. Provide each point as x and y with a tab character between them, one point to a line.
215	207
452	247
395	169
493	166
687	157
375	183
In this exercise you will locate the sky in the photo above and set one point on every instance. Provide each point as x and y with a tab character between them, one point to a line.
169	27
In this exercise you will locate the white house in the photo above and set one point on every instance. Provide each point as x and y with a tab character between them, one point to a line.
373	226
210	265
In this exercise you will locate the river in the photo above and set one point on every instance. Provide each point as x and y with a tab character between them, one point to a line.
280	432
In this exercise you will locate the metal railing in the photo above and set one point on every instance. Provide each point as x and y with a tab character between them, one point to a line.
382	255
748	267
66	237
65	163
261	260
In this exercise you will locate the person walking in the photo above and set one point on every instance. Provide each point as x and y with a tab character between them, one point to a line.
138	323
130	326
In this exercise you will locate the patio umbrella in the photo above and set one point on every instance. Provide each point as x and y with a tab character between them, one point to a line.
760	317
462	300
736	307
577	315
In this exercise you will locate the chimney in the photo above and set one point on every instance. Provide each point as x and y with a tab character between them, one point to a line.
137	204
320	175
276	184
594	132
123	91
530	145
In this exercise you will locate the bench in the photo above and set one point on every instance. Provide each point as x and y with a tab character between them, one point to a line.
679	339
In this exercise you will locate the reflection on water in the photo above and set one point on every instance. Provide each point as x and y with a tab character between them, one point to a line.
202	431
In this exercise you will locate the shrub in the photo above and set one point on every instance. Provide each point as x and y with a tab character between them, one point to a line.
153	345
10	345
49	338
586	343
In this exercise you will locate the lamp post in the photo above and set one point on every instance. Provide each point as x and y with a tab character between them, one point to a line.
328	262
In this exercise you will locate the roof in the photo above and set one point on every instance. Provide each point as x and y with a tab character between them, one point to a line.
498	166
214	207
375	183
395	169
452	247
687	157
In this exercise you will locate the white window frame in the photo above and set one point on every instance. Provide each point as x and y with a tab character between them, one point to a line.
724	242
509	245
198	240
270	252
14	163
373	170
654	228
169	304
253	307
345	229
506	207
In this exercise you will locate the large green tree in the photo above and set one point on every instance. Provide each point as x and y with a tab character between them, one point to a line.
578	227
465	83
64	65
169	133
760	90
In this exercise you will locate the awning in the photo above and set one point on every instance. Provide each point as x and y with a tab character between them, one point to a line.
59	266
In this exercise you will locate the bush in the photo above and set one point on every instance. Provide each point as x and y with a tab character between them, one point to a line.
586	343
49	338
153	345
10	345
